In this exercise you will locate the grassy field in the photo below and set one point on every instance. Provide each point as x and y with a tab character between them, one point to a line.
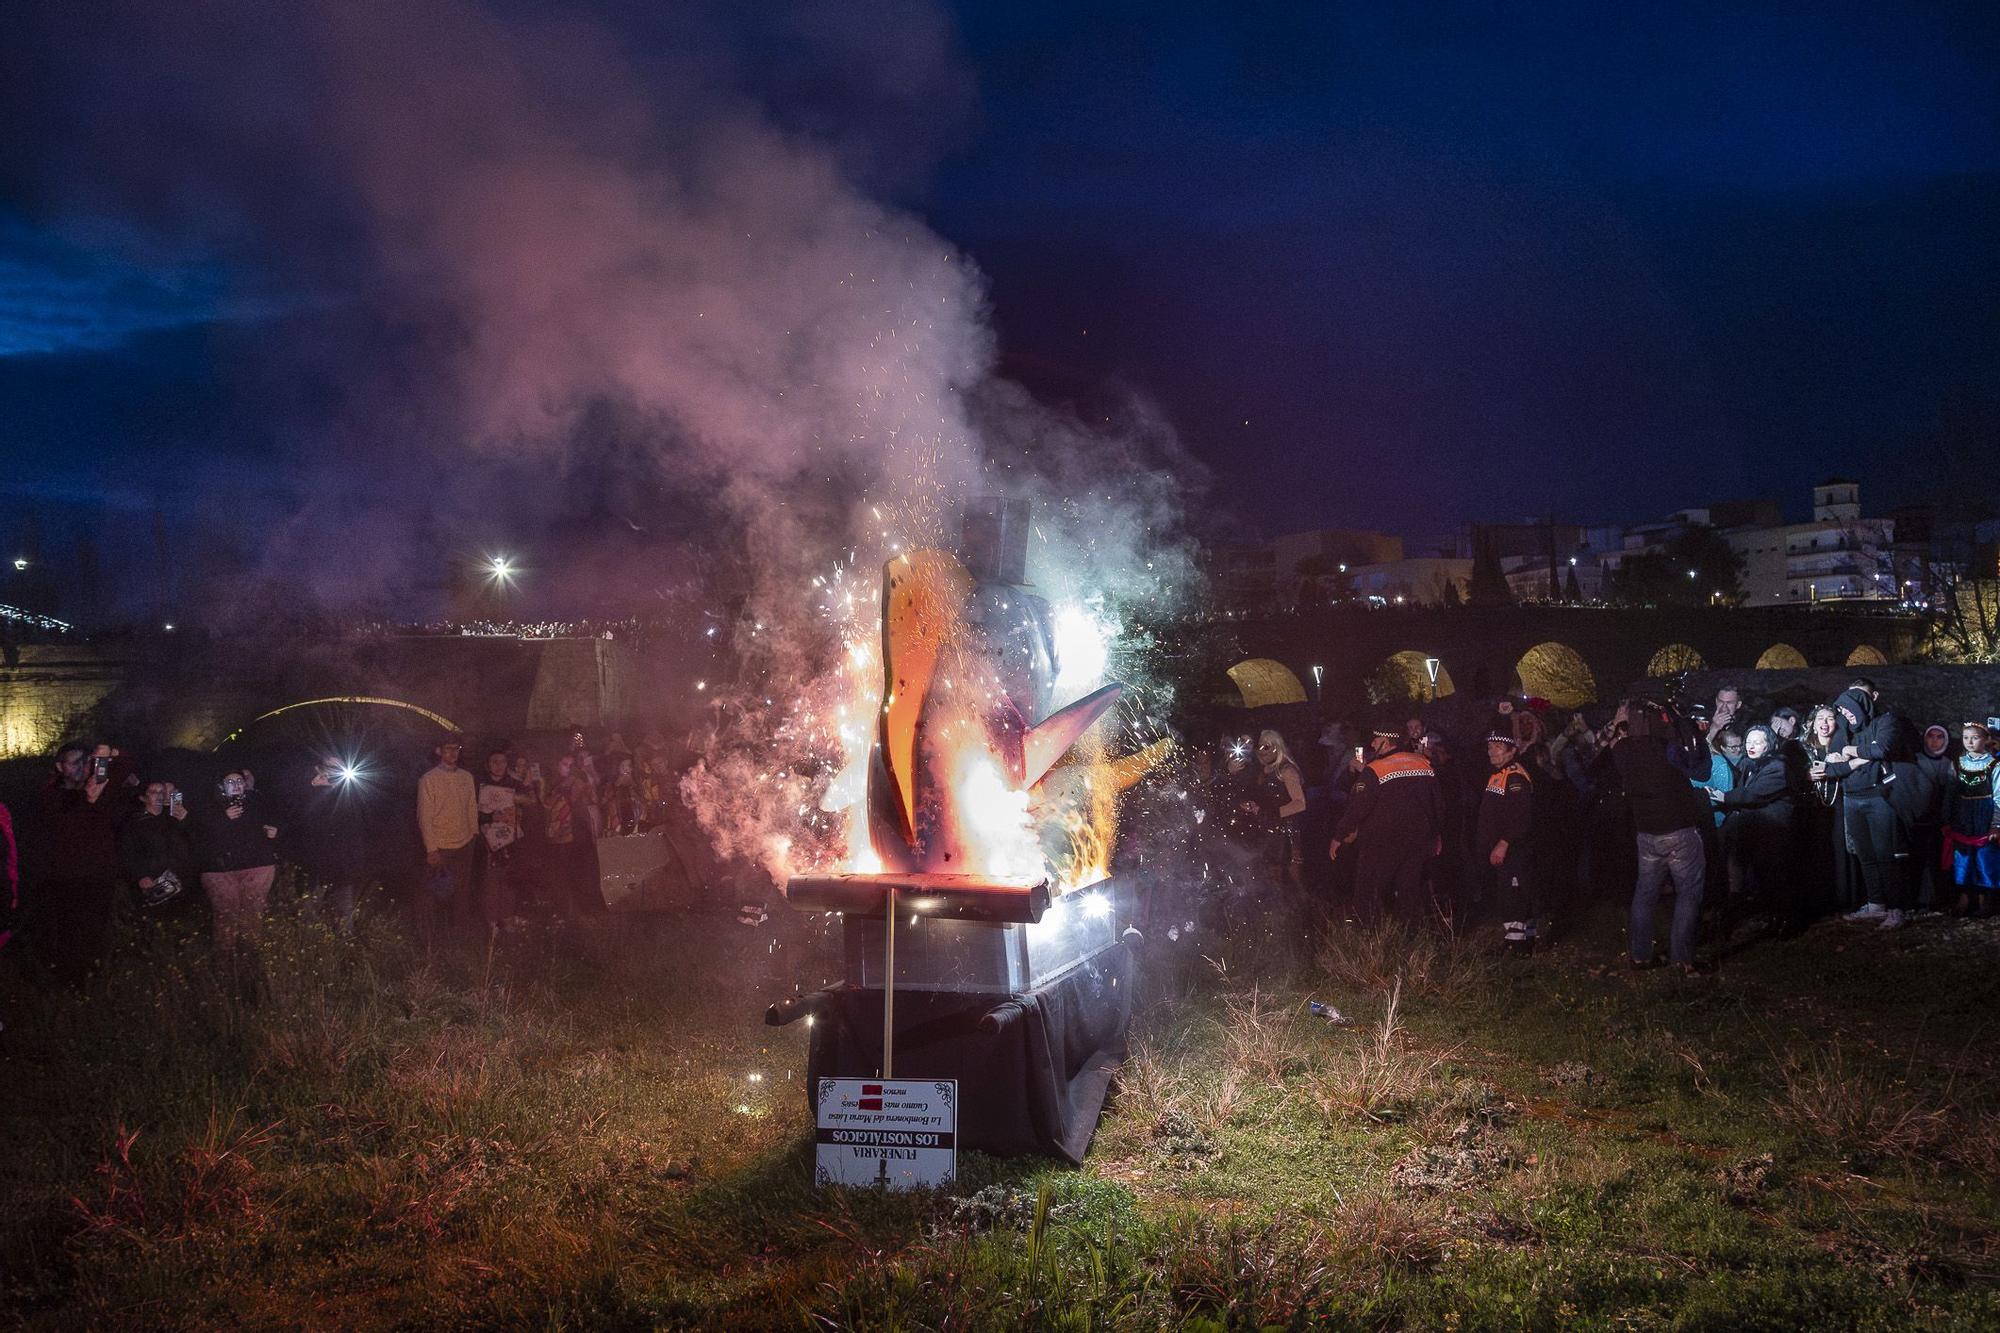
595	1130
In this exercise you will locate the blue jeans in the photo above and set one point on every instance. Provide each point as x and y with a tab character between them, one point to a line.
1675	856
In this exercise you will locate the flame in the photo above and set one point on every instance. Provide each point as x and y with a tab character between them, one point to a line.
990	823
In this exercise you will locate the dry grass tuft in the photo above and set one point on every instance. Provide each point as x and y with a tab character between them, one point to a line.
1261	1275
428	1191
1381	1229
1866	1113
1380	1078
1260	1038
211	1182
1446	965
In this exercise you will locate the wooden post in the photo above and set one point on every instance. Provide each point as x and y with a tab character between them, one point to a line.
889	986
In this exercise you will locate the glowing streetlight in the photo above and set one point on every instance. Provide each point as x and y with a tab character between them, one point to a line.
20	564
501	568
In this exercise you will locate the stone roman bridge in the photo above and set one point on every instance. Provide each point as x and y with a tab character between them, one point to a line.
192	693
184	691
1567	654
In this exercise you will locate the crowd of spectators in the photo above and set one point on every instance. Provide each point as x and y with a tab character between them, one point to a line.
1773	821
503	844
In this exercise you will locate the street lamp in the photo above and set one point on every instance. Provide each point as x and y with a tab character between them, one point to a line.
20	564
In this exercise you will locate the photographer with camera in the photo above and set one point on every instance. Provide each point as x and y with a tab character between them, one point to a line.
1658	769
335	847
75	858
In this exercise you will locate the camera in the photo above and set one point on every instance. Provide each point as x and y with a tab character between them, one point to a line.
1649	717
100	767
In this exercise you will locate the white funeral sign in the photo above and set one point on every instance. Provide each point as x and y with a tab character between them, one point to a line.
895	1135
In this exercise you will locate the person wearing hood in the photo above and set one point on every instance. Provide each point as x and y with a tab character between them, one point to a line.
1760	830
1393	824
1503	836
1867	749
1927	860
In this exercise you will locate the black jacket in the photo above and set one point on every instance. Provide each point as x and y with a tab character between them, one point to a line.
1767	788
1395	807
1506	811
225	844
1877	733
152	844
330	836
1662	797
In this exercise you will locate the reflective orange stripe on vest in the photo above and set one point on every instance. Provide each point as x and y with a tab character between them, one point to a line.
1400	765
1497	784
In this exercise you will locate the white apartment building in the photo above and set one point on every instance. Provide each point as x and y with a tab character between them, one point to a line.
1838	556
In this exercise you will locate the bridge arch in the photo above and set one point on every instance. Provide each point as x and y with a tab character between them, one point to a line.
1867	654
1558	673
1263	681
1674	658
365	699
1410	674
1781	657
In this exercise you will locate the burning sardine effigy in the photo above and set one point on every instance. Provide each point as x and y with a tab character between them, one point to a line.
992	817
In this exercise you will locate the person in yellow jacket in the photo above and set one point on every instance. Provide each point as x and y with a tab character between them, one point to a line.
448	817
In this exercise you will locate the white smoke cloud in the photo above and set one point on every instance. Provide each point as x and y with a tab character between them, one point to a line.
566	234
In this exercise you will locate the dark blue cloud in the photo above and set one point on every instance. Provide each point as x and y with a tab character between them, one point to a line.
59	294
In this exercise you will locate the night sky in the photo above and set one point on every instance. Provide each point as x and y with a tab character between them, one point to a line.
1386	266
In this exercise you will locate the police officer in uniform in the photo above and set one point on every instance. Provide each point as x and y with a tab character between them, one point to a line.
1392	822
1502	835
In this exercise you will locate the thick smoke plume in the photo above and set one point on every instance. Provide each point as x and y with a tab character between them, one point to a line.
570	278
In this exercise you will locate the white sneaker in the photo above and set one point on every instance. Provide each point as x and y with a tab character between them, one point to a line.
1892	920
1871	912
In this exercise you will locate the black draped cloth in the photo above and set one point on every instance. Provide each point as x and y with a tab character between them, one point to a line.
1036	1086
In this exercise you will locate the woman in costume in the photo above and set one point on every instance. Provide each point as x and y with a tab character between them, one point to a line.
1971	833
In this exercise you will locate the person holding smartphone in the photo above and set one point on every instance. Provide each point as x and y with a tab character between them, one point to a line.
158	853
238	858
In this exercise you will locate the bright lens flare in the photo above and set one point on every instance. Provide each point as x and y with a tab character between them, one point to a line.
995	830
1083	650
